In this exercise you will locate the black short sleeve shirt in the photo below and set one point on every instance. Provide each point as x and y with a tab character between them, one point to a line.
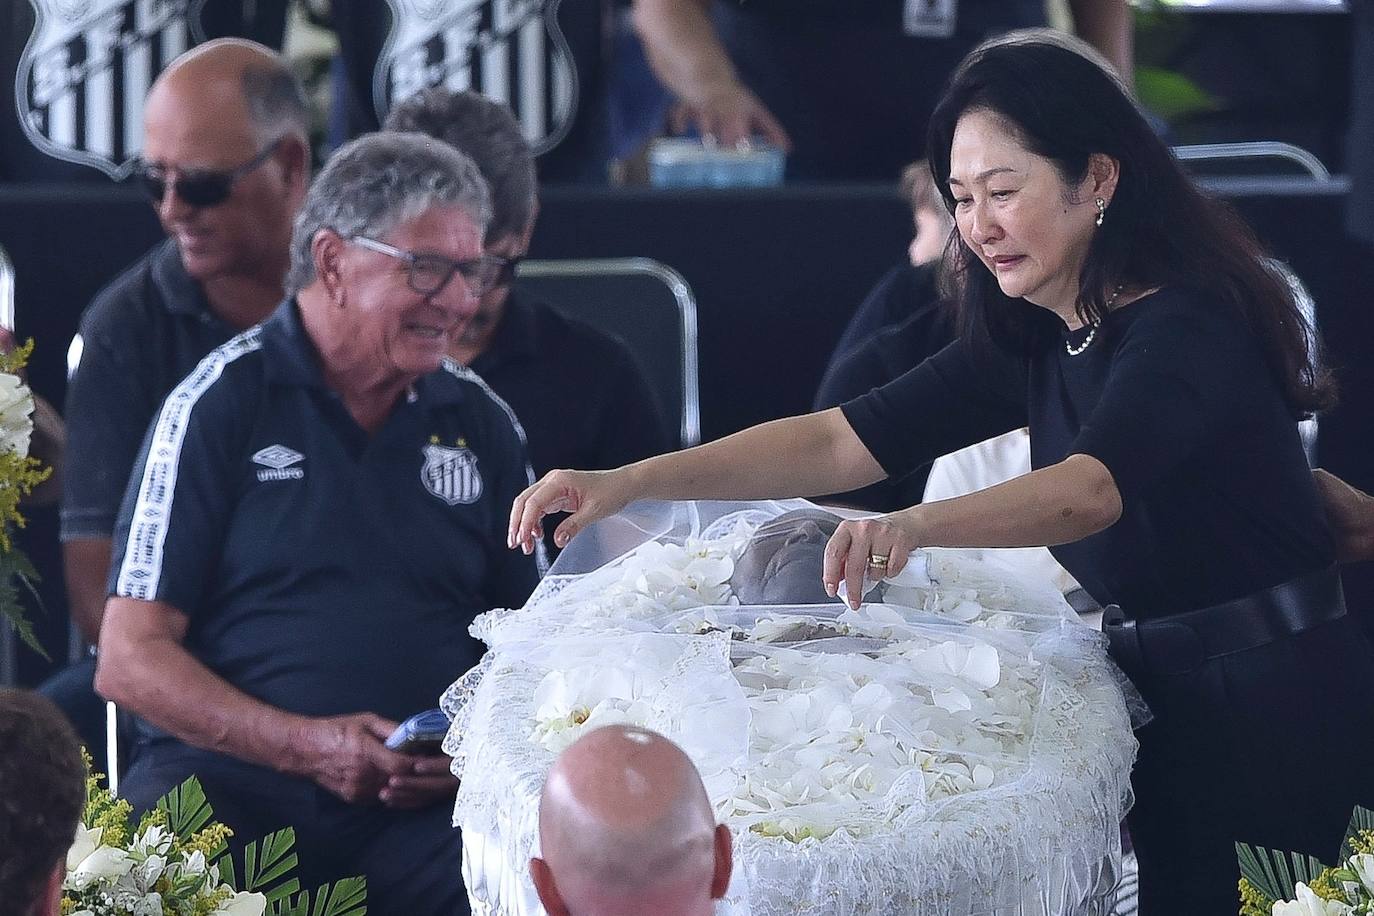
323	570
142	334
1175	397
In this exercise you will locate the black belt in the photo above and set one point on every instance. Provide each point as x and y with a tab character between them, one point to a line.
1182	642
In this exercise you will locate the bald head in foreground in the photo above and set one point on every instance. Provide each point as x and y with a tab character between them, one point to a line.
625	827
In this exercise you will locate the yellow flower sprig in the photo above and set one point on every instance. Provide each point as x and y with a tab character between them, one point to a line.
1253	901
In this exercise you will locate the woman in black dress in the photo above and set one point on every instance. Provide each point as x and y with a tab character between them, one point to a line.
1161	366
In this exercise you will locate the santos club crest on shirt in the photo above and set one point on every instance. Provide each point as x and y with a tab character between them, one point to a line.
86	69
511	51
451	474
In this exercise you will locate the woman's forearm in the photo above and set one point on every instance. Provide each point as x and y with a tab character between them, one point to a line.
808	455
1059	504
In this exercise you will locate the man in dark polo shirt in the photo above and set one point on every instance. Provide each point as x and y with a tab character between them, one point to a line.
579	393
226	160
318	513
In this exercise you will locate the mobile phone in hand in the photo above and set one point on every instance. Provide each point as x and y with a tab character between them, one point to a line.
422	734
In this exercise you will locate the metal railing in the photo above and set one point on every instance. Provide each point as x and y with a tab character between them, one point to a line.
1257	149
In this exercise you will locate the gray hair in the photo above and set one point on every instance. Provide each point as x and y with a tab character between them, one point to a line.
489	133
276	101
375	183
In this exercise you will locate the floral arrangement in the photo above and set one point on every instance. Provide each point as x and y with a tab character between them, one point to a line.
835	740
1278	884
660	577
175	862
19	474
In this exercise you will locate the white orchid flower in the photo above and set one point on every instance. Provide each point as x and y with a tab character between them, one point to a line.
16	409
193	864
1363	866
104	864
242	904
86	842
155	840
1309	904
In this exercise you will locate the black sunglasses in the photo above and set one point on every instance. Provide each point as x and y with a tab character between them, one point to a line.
428	274
198	188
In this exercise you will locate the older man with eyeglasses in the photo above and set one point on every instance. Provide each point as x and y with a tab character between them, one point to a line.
317	515
226	163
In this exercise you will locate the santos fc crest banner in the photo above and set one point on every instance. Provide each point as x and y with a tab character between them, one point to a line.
511	51
86	69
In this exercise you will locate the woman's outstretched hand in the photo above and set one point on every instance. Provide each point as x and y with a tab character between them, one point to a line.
854	547
588	495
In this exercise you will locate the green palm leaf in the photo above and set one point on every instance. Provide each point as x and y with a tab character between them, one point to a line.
346	897
187	808
1276	874
1361	820
275	862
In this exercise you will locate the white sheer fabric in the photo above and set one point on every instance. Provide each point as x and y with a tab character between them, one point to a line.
962	746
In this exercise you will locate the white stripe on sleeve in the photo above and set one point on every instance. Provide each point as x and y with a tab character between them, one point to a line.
143	552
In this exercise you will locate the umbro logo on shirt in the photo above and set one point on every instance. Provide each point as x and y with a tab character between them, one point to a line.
277	461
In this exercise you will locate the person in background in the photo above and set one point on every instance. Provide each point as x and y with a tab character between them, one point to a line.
225	163
42	792
626	828
579	393
846	88
903	320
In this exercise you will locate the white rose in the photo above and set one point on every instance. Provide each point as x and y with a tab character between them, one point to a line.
1363	865
16	407
1309	904
105	864
86	842
242	904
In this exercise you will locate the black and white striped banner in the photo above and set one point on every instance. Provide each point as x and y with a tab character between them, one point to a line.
87	68
511	51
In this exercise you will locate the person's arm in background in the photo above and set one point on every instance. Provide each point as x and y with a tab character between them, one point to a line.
1108	26
107	414
1350	512
686	54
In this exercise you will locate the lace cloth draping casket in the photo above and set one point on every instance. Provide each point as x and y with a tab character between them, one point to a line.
962	745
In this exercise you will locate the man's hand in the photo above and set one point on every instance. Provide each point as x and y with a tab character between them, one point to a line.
729	116
429	781
346	755
1350	512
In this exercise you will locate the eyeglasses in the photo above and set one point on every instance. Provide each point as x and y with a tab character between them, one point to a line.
198	188
430	273
505	269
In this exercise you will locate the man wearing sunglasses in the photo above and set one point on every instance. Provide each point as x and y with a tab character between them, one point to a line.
225	165
579	393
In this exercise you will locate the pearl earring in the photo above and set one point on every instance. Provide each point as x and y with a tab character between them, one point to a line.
1101	209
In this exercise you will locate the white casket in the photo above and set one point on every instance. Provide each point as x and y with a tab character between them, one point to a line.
961	747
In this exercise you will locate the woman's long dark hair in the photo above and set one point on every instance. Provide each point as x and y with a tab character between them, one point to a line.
1160	230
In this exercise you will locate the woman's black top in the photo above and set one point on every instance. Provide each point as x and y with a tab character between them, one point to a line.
1174	396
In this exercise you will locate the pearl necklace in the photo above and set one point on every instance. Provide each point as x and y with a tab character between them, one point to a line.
1087	341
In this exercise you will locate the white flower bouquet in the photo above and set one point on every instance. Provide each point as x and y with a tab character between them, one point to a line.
19	474
1287	884
175	862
